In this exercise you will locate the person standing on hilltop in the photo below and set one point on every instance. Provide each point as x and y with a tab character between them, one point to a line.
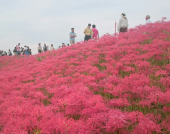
15	51
45	48
123	23
52	48
72	36
29	51
18	49
9	53
63	45
40	48
25	52
148	19
95	32
88	33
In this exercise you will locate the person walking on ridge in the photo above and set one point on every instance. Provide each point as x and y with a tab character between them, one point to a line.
25	52
45	48
95	32
15	51
88	33
9	53
18	49
72	36
148	19
63	45
29	51
52	48
40	48
123	23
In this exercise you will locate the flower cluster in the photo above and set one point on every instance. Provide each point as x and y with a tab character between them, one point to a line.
117	84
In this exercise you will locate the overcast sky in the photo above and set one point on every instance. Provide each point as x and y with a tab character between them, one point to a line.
30	22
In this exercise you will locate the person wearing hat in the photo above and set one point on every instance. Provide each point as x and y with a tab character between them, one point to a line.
52	48
88	33
123	23
148	19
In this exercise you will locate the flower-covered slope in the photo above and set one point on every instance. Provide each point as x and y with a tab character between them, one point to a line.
118	84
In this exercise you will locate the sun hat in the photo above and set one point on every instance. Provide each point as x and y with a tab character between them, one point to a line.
123	15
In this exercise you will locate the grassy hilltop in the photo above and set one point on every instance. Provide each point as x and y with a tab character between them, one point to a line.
118	84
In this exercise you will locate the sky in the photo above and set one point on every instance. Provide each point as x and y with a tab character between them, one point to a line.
30	22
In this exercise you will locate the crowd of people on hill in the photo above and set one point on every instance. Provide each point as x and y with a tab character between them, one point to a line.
88	32
17	51
45	48
22	50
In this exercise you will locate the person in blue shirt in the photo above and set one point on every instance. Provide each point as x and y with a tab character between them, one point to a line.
72	36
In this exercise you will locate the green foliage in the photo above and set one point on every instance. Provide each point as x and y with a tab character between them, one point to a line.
124	73
106	96
102	61
156	62
44	91
149	41
75	117
28	81
40	58
46	102
100	67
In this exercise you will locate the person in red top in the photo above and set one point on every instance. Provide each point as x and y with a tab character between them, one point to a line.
95	32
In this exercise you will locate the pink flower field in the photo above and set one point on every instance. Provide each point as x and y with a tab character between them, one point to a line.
116	85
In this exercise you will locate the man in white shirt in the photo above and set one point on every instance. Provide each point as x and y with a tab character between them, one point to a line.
148	19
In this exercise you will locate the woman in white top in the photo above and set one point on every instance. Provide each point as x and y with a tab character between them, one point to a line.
123	23
40	48
148	19
52	48
10	54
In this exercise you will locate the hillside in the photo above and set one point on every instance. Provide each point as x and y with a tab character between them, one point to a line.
114	85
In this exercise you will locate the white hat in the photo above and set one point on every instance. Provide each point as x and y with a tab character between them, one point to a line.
123	15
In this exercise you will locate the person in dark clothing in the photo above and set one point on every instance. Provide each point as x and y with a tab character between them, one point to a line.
29	50
45	48
15	51
9	53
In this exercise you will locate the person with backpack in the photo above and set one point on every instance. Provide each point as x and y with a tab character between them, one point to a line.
45	48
